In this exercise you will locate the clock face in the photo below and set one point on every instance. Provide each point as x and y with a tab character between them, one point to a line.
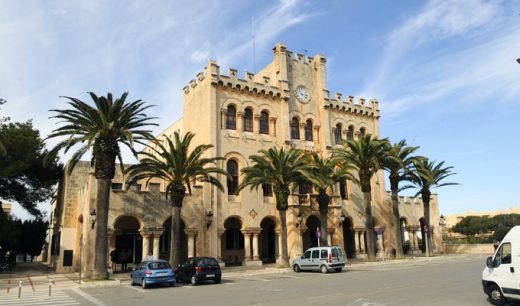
302	94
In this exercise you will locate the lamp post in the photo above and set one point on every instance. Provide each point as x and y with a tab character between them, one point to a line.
93	218
342	219
209	218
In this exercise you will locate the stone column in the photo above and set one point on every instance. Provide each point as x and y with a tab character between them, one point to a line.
362	242
191	233
356	238
256	124
255	246
110	233
247	245
410	237
220	232
146	244
415	240
156	238
223	113
302	130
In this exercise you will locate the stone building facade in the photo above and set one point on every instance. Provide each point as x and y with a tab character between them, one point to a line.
286	104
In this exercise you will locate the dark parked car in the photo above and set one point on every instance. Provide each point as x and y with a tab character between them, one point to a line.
198	269
153	272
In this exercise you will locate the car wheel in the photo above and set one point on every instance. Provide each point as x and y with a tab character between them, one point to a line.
143	283
324	269
338	270
296	268
193	281
171	284
495	296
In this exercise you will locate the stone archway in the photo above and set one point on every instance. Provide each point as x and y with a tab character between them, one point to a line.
232	244
349	240
164	242
309	236
267	246
127	241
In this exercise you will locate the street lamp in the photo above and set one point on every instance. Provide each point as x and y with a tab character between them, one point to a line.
518	60
298	219
209	218
93	218
342	218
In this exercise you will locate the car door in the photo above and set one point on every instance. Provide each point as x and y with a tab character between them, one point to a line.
315	260
503	270
305	261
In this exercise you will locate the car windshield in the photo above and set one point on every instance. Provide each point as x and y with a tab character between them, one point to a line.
207	262
158	265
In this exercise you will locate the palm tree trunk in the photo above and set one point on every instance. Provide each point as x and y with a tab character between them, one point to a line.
177	197
175	237
323	203
101	248
426	207
397	225
369	225
283	235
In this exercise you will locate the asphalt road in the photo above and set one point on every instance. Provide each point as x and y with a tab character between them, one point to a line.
450	281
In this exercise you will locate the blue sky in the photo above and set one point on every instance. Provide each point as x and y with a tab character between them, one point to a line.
444	72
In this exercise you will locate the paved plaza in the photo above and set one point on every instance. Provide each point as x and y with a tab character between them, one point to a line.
443	280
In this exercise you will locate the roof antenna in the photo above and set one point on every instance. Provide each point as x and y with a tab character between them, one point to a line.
254	52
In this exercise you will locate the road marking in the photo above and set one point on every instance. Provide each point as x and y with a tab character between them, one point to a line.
88	297
38	298
138	289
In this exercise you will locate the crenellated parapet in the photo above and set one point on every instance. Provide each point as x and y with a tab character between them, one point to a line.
409	200
231	81
351	105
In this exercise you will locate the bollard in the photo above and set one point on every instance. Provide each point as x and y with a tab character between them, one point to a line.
19	289
50	285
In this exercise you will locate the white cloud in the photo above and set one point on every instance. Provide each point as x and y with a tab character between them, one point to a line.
199	56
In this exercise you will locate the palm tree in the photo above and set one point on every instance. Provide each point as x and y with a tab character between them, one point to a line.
426	176
399	163
102	129
179	168
323	174
365	156
281	169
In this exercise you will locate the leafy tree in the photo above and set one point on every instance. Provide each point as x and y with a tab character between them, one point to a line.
365	156
33	234
10	229
398	161
426	176
23	177
281	168
472	225
179	168
101	128
324	174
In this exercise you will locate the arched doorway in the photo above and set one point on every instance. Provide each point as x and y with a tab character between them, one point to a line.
267	241
422	241
309	237
164	242
348	238
128	242
405	238
232	247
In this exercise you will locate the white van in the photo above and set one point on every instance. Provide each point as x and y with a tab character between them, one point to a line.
501	277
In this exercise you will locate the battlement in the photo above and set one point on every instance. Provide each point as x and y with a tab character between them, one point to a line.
409	200
246	85
350	105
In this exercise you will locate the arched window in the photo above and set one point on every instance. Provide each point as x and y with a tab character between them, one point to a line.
295	128
264	123
232	181
231	118
350	133
362	132
343	188
308	130
248	120
337	133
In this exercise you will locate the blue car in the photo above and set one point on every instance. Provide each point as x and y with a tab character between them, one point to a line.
152	272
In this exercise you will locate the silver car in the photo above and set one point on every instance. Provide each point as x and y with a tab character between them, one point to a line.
322	259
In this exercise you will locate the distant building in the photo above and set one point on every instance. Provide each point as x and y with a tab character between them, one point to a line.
451	220
6	207
286	104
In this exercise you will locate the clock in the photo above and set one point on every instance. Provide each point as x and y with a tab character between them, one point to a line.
302	94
